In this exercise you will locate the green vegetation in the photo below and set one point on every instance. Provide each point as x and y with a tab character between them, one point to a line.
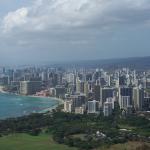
45	142
127	146
80	131
138	125
27	142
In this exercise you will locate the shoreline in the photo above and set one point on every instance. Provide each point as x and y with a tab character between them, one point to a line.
59	100
1	89
55	98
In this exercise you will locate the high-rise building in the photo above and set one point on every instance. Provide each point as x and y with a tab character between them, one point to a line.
122	80
60	91
44	76
126	92
86	89
78	100
105	93
138	98
96	91
29	87
82	83
146	103
4	80
75	103
4	70
70	78
68	106
148	83
111	100
93	107
125	102
108	107
78	85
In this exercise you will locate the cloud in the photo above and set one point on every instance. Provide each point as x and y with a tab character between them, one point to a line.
15	19
60	29
59	14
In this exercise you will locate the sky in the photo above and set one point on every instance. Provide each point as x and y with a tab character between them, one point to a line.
38	31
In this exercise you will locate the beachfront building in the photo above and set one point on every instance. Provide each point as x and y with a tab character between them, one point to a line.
29	87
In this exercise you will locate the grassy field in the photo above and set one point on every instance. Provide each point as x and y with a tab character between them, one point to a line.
45	142
27	142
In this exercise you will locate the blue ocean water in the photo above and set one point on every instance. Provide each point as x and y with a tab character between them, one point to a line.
14	105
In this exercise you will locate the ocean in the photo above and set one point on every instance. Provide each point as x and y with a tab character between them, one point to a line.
12	105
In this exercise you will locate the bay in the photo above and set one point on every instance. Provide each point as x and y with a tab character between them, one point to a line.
12	105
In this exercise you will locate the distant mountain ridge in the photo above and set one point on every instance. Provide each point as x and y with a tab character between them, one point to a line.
139	63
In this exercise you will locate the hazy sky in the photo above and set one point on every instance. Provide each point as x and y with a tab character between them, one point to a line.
63	30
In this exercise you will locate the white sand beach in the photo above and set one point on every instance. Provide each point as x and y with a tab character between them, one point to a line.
2	89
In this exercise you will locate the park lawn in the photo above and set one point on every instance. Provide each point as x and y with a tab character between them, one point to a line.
27	142
125	126
45	142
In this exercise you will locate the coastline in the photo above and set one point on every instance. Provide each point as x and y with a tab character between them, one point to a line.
59	100
1	89
55	98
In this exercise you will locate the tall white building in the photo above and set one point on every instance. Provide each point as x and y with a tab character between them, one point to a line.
108	107
93	107
125	102
138	98
68	107
86	88
71	78
78	85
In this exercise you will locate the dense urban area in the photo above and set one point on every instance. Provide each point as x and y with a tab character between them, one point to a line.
100	107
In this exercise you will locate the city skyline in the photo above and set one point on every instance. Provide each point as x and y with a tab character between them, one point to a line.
69	30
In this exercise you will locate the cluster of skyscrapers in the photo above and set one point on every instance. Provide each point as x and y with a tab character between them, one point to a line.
96	91
84	90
